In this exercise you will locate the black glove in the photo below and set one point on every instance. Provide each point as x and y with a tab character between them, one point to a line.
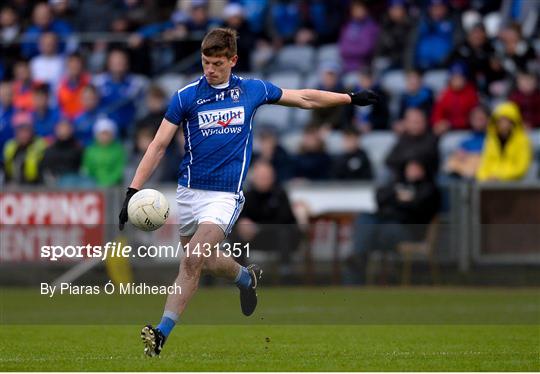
123	216
364	98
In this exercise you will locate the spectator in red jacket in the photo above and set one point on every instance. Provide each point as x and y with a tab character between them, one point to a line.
22	86
452	109
72	86
527	97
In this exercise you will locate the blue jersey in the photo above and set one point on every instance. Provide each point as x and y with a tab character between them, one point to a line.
217	124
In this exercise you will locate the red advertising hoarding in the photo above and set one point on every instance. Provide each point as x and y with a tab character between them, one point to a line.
30	220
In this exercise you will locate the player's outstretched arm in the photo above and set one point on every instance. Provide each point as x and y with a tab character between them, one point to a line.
313	99
148	164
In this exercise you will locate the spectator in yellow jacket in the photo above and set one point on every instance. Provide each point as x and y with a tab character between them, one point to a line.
507	152
23	153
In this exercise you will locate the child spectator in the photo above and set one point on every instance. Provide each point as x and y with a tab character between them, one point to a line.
465	160
416	95
527	96
507	152
104	160
23	154
71	87
44	115
358	37
63	157
354	164
451	111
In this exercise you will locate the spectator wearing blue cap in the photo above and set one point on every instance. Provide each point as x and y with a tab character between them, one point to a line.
395	35
434	37
452	109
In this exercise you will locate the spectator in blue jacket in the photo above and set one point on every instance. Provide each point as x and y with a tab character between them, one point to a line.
465	159
43	21
6	114
44	115
416	95
84	123
373	117
285	20
120	91
435	36
255	12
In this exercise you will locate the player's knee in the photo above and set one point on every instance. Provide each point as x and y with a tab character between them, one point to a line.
193	265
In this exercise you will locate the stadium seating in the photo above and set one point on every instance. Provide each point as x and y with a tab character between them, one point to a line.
301	118
377	145
393	82
450	142
350	79
278	117
436	80
298	58
328	52
171	82
290	80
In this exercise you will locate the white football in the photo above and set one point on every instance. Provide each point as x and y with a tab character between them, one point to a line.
148	209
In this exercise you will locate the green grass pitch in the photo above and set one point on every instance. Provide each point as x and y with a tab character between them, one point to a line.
304	329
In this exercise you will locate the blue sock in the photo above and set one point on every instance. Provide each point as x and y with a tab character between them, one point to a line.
168	321
243	279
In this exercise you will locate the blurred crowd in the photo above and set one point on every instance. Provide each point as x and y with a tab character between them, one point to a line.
80	98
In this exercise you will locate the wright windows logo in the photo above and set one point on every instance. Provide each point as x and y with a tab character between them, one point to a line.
221	118
221	121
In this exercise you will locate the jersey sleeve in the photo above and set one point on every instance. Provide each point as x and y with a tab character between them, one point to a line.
175	113
272	92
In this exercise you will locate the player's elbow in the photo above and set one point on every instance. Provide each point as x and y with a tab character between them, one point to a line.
157	147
